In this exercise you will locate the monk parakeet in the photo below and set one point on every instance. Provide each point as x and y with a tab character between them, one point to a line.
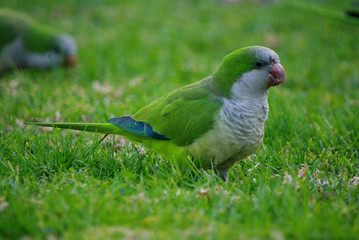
25	43
211	123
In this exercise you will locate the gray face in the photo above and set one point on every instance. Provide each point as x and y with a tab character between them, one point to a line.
66	45
254	83
266	55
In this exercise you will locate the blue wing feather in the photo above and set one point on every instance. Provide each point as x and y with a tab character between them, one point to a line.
137	128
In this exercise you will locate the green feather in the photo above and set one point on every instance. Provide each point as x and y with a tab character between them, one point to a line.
183	115
10	27
165	148
37	37
89	127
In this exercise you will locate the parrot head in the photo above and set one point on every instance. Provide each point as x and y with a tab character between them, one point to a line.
66	47
58	50
249	71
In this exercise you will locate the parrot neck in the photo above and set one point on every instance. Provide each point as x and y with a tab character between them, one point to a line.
237	133
251	86
244	120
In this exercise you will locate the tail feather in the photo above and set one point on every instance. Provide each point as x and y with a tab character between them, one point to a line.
137	128
88	127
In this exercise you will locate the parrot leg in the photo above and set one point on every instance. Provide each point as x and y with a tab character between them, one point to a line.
223	174
96	145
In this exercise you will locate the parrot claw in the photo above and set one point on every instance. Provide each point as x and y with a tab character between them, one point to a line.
223	174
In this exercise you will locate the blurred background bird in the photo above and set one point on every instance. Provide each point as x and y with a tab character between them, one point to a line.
24	43
350	15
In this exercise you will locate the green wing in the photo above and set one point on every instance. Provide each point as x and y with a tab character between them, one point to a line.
37	37
183	115
11	27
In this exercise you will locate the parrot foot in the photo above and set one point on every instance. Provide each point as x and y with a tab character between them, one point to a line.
223	174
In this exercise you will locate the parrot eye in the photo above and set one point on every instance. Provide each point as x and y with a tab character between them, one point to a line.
259	64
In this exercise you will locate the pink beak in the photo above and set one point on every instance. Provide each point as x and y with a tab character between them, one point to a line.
276	75
70	61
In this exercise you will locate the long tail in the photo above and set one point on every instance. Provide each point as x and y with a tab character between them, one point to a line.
125	125
89	127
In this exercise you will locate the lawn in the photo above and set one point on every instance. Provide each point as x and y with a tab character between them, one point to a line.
303	183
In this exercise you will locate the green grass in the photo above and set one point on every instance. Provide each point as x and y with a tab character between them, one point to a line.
302	184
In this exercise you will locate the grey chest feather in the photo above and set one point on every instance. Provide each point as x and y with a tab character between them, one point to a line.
244	120
238	132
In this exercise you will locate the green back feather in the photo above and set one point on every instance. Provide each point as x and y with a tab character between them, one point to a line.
89	127
183	115
37	37
11	26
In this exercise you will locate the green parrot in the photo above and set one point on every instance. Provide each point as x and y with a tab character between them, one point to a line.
211	123
25	43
